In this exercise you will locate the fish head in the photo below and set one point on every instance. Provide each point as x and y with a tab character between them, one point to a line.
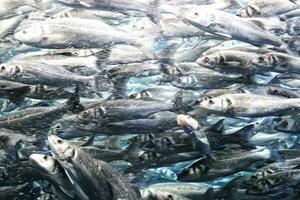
61	149
198	17
91	115
163	195
187	122
267	60
286	124
196	169
141	95
32	34
185	81
11	70
44	162
209	60
219	104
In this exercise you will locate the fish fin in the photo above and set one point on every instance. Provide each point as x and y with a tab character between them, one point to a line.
203	161
286	47
166	55
89	141
147	45
153	11
271	154
226	191
177	100
297	167
73	102
17	97
209	194
131	149
101	82
11	150
226	36
258	23
119	87
218	126
245	134
102	57
204	144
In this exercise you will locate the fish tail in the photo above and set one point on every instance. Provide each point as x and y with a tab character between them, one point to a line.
73	102
245	134
100	82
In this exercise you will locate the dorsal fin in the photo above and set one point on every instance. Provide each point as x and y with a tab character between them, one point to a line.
218	126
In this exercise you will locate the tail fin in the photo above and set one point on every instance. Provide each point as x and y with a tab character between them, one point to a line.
73	102
177	100
286	48
218	126
244	134
166	55
153	11
102	57
89	141
209	194
101	82
147	45
131	150
246	79
270	154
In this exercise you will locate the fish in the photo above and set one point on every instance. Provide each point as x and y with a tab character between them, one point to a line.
52	75
198	81
187	190
191	126
287	124
29	121
277	62
50	168
82	170
261	8
229	61
58	34
201	169
215	22
8	25
10	139
243	105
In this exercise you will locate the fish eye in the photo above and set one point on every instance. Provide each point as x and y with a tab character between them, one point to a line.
76	53
196	13
211	102
24	32
85	114
260	59
45	157
3	68
59	141
178	80
284	123
206	59
170	197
